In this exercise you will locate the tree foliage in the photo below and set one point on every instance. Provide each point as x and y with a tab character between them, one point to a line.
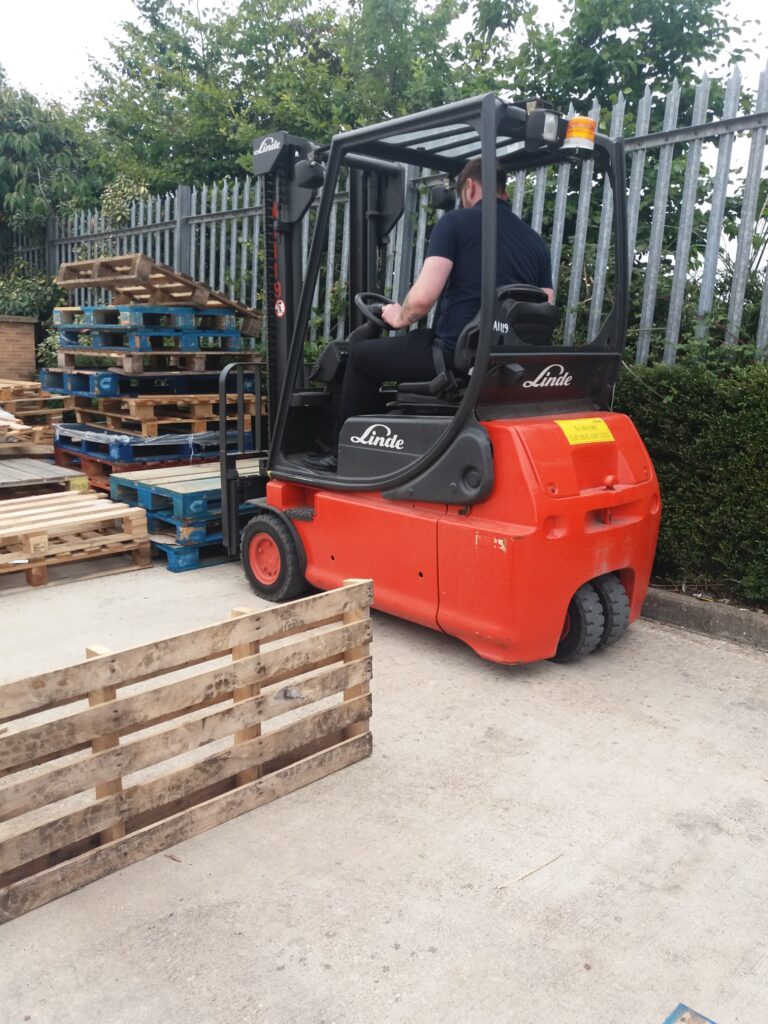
45	160
182	97
185	91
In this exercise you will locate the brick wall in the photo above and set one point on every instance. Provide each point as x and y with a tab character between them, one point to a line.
17	347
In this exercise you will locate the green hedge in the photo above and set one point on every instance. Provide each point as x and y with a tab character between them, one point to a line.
706	429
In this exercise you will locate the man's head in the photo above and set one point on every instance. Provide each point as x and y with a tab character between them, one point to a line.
469	183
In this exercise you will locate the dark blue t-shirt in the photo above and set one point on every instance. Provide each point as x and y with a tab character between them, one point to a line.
522	257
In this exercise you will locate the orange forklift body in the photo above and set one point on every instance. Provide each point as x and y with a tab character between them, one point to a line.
574	497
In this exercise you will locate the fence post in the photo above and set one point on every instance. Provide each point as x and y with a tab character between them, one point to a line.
50	263
183	231
715	223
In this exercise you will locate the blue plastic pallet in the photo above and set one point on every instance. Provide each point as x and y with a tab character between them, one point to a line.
185	317
182	558
106	384
82	336
119	447
89	383
199	504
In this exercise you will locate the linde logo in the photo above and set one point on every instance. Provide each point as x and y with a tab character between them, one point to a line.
378	435
268	145
552	376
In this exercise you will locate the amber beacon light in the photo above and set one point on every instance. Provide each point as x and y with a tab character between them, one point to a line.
580	133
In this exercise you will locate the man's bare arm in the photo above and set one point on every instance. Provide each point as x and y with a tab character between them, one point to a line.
423	295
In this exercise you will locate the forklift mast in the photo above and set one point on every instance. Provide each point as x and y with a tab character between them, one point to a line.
284	162
292	171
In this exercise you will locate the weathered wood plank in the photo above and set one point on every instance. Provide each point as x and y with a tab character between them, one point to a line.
58	783
64	685
32	843
25	895
118	715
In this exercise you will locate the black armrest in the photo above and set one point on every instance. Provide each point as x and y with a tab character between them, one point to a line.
426	387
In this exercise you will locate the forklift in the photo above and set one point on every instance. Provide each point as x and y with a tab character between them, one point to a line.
502	502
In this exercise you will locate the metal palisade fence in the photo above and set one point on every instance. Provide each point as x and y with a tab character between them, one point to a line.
697	216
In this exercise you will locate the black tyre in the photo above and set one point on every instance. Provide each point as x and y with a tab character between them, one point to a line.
271	559
615	602
583	627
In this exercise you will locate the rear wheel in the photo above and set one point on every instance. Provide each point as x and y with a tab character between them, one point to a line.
615	602
583	627
271	559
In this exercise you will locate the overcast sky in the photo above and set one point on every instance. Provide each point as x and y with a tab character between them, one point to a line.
45	46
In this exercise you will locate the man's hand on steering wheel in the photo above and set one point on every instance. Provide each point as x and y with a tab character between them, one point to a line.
392	315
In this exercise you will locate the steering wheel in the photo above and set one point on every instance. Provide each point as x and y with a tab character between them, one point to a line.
369	304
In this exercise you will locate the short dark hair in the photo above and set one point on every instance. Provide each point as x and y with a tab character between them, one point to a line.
473	170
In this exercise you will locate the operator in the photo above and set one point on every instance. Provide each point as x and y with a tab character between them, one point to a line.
452	268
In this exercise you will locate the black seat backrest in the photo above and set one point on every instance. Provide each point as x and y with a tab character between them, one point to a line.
523	316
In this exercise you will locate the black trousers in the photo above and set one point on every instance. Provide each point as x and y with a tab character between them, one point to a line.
373	361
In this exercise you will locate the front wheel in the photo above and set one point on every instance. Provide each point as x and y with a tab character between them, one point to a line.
583	627
271	559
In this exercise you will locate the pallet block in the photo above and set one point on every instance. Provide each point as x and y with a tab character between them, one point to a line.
71	807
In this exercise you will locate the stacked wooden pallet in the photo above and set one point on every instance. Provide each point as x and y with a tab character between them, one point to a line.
142	374
49	530
28	414
183	508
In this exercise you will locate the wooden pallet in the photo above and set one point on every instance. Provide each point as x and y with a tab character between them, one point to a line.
43	410
31	476
56	529
25	449
136	362
122	424
11	389
98	470
135	278
68	822
153	407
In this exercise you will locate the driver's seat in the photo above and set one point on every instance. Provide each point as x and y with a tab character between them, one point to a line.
530	319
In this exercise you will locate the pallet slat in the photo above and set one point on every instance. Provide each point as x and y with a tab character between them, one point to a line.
61	686
25	895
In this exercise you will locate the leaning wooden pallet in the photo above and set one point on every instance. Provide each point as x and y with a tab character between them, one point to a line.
56	529
71	807
135	278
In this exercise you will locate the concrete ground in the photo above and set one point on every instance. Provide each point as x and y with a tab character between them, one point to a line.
542	843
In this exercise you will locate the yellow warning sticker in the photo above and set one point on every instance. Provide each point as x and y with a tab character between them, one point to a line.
586	431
